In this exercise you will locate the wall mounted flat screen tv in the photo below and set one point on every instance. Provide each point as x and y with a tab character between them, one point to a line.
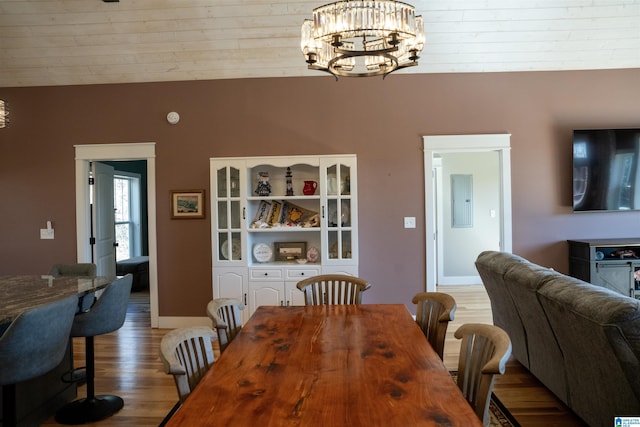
606	170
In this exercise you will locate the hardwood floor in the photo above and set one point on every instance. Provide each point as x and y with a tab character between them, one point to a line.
128	365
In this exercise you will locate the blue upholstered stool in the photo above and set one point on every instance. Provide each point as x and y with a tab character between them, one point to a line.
33	344
82	269
77	375
106	315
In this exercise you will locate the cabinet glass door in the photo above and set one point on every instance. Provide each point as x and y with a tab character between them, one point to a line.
614	276
339	212
228	214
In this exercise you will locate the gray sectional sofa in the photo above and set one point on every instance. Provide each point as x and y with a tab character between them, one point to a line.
580	340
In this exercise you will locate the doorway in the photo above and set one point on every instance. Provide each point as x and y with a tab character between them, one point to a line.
478	168
85	154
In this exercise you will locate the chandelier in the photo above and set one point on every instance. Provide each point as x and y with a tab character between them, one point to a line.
362	38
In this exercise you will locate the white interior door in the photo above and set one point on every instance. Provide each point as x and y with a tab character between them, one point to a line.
103	218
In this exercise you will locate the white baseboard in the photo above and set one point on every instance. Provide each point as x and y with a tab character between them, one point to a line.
169	322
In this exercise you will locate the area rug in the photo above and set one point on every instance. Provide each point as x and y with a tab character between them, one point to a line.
500	416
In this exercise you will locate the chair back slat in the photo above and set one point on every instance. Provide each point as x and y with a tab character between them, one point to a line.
332	289
226	318
196	357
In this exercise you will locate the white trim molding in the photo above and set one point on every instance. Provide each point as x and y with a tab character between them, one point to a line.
125	151
433	144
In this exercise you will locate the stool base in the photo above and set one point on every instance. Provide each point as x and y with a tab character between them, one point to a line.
88	410
75	375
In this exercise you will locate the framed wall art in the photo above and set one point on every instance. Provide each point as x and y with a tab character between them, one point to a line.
290	251
187	204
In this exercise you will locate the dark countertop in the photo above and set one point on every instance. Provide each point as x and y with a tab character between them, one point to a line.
22	293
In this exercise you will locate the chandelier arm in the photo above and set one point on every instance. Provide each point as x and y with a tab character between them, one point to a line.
326	70
355	53
381	72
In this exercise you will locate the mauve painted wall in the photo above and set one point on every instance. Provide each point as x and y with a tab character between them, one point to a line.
381	121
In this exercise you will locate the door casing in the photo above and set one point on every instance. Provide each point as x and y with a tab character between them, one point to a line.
125	151
463	144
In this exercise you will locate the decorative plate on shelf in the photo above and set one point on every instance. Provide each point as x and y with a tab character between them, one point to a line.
313	254
345	218
235	249
262	252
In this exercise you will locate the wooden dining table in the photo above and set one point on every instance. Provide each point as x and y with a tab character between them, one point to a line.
330	365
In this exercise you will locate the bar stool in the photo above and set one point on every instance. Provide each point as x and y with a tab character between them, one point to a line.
106	315
77	375
33	344
81	269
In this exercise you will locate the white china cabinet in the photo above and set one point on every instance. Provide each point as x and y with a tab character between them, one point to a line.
278	220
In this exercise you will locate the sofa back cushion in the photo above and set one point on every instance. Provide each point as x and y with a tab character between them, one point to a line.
591	325
546	361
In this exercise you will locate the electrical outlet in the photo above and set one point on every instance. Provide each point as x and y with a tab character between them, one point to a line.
409	222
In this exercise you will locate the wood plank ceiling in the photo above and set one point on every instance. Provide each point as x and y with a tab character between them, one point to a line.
67	42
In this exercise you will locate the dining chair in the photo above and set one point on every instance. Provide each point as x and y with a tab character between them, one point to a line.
106	315
330	289
484	352
187	354
33	344
226	317
434	312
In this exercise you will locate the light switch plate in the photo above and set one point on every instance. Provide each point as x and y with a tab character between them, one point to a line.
409	222
46	233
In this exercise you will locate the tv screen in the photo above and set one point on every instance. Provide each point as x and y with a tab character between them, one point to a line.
606	171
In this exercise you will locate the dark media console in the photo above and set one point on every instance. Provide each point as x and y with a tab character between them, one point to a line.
610	263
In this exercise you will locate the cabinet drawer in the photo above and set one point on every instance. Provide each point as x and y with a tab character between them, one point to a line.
265	273
301	273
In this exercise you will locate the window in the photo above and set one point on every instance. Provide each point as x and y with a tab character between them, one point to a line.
126	198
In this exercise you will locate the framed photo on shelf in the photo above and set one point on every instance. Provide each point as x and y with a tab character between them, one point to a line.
187	204
289	251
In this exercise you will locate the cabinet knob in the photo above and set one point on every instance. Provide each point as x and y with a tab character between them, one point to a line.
302	274
266	274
